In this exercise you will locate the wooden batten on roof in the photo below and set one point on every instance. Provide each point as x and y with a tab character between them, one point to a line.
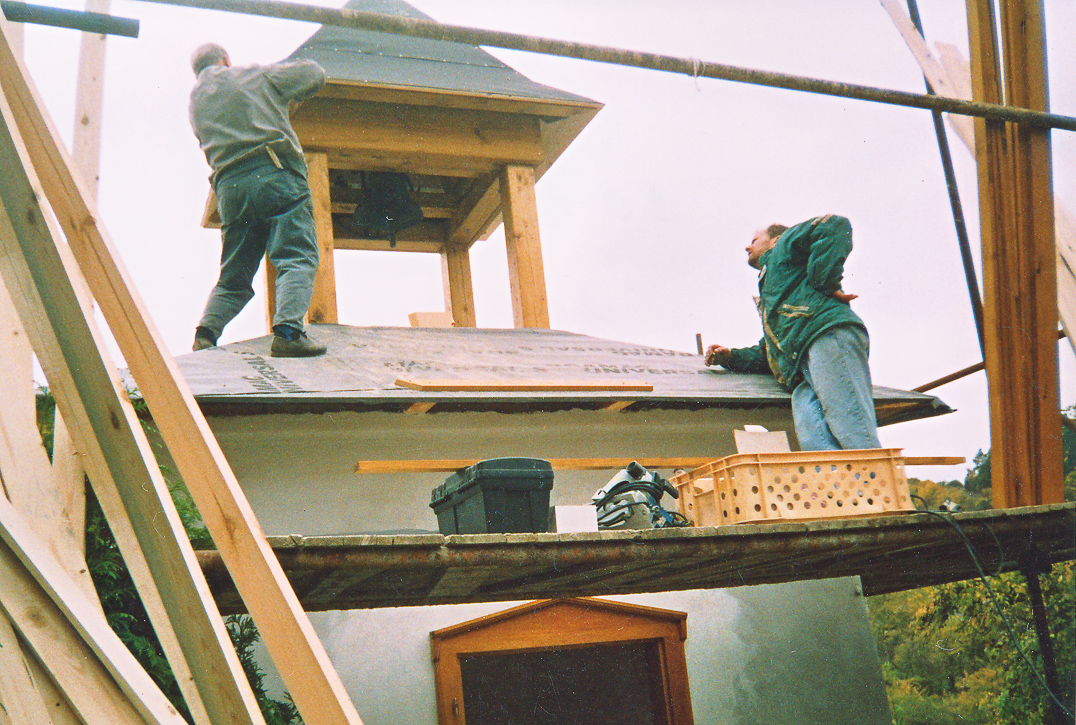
472	134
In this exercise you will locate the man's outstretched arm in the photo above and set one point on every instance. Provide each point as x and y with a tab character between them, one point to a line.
739	359
297	80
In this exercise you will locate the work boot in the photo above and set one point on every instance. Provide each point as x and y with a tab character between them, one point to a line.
203	338
289	342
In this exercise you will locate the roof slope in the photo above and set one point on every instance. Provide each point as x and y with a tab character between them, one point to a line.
369	57
364	363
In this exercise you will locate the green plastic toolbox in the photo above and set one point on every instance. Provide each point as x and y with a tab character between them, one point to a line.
496	496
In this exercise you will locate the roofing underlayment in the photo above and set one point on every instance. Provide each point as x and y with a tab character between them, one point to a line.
363	365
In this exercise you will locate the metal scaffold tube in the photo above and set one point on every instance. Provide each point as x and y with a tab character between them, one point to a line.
582	51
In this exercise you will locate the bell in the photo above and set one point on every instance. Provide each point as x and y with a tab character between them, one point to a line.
386	207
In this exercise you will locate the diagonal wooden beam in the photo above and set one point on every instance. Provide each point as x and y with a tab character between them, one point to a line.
38	271
60	710
26	476
69	475
101	679
479	212
21	701
287	632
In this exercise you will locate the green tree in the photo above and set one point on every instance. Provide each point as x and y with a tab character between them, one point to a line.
949	656
119	598
968	652
933	495
244	635
978	478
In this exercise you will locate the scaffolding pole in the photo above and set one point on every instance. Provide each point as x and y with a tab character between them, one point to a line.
694	67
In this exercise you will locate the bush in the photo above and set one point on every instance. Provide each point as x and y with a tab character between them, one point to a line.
123	608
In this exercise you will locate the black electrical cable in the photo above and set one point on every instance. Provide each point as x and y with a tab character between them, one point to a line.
994	599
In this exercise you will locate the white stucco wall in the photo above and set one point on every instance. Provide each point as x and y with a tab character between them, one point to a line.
789	654
298	470
798	653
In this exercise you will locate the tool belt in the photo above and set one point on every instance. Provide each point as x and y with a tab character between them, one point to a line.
263	155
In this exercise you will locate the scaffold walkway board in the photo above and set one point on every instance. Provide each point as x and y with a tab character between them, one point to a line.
889	553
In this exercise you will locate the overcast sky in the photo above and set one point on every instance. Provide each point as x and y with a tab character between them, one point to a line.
644	218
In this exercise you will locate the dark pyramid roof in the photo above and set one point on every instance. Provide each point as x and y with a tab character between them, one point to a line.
367	57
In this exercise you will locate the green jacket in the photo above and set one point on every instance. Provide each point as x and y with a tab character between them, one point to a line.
796	285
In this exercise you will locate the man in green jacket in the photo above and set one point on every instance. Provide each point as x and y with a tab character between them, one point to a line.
812	342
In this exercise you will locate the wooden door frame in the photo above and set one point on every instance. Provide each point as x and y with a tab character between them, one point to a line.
561	624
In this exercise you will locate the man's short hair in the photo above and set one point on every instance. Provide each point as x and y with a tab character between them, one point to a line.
207	55
775	230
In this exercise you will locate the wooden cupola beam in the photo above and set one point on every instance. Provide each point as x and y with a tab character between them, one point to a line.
488	158
459	290
410	134
526	273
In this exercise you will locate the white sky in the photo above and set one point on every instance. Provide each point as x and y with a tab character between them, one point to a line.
644	218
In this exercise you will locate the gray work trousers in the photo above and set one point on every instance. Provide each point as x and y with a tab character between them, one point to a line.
264	210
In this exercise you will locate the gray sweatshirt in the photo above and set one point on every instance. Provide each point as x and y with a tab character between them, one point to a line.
235	111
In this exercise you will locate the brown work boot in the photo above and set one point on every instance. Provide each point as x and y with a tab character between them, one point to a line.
300	346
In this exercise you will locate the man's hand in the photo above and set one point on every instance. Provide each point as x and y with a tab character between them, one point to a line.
717	355
844	296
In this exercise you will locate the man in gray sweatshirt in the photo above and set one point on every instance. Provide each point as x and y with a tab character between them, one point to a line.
240	116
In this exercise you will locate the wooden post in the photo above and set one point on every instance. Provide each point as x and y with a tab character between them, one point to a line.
459	292
526	273
1019	272
950	75
323	303
286	630
89	96
69	475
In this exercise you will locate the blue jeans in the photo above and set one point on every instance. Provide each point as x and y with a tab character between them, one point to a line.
833	407
264	210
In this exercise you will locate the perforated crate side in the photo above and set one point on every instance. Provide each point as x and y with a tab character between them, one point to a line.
697	500
805	485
